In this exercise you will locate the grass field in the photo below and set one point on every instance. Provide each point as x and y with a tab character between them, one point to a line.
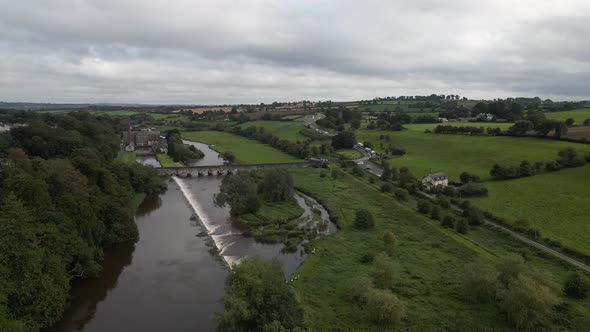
167	161
454	154
246	151
349	153
578	115
429	261
129	157
558	204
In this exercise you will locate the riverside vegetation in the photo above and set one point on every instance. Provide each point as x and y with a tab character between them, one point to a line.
63	197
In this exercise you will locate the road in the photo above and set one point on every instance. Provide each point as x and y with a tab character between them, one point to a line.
376	170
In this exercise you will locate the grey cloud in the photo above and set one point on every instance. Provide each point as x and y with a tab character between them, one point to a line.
226	51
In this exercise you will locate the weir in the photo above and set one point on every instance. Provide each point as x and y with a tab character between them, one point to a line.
218	239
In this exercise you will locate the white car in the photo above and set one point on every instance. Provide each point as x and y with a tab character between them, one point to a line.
360	163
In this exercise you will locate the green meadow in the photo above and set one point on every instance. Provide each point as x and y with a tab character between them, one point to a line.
558	204
454	154
246	151
167	161
429	261
578	115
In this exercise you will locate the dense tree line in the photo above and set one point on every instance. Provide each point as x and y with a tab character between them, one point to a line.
178	151
337	118
63	198
448	129
298	149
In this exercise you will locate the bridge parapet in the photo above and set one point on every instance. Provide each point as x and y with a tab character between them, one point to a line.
195	171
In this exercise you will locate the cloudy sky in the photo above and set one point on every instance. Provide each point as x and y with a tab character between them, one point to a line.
210	52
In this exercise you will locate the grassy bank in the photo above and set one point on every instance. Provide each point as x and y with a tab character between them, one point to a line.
137	200
246	151
429	261
129	157
167	161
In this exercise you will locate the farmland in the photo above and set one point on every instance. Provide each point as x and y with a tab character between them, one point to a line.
246	151
579	115
429	261
556	203
454	154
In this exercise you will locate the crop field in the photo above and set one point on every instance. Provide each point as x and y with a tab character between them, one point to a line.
578	133
246	151
429	261
454	154
558	204
578	115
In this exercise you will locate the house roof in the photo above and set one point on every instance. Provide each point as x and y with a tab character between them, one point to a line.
437	176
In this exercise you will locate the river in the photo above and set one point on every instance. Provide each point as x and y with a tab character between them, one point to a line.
172	277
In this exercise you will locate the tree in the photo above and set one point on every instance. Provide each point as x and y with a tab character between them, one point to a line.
386	187
363	219
229	156
423	206
527	304
569	122
576	285
401	194
525	169
383	273
568	157
509	268
462	226
240	192
448	222
344	140
435	213
389	242
473	189
480	282
520	128
384	307
553	166
467	177
474	216
257	297
359	290
277	184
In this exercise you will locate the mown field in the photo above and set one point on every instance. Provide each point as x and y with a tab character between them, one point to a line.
454	154
429	261
578	115
246	151
557	203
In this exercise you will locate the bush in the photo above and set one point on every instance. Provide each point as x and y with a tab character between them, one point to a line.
363	219
473	189
383	272
356	170
389	242
480	282
435	213
401	194
576	285
553	166
386	187
384	307
448	222
474	216
466	177
322	174
462	226
359	290
371	180
423	206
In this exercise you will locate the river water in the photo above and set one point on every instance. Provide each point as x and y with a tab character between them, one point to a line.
172	277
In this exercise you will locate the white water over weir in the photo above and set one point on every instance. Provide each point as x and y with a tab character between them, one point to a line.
218	239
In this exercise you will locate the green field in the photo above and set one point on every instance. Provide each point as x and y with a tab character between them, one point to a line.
429	261
453	154
578	115
349	153
129	157
246	151
167	161
558	204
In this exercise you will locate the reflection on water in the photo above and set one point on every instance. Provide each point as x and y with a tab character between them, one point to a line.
148	160
211	157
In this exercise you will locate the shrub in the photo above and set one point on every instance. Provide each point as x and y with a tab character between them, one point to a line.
473	189
466	177
389	242
448	221
576	285
480	282
462	226
359	290
383	272
384	307
474	216
423	206
401	194
553	166
386	187
435	213
356	170
322	174
371	180
363	219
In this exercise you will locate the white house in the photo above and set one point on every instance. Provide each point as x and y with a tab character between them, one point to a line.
435	180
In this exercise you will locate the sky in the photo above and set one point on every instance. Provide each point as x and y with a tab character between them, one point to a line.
228	52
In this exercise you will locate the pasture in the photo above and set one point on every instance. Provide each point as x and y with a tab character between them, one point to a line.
246	151
579	115
453	154
558	204
429	261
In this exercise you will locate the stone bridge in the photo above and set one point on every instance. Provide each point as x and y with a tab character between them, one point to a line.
223	169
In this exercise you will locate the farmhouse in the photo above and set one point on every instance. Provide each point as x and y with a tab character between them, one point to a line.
435	180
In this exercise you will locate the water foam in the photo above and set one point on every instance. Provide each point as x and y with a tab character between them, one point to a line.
220	244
